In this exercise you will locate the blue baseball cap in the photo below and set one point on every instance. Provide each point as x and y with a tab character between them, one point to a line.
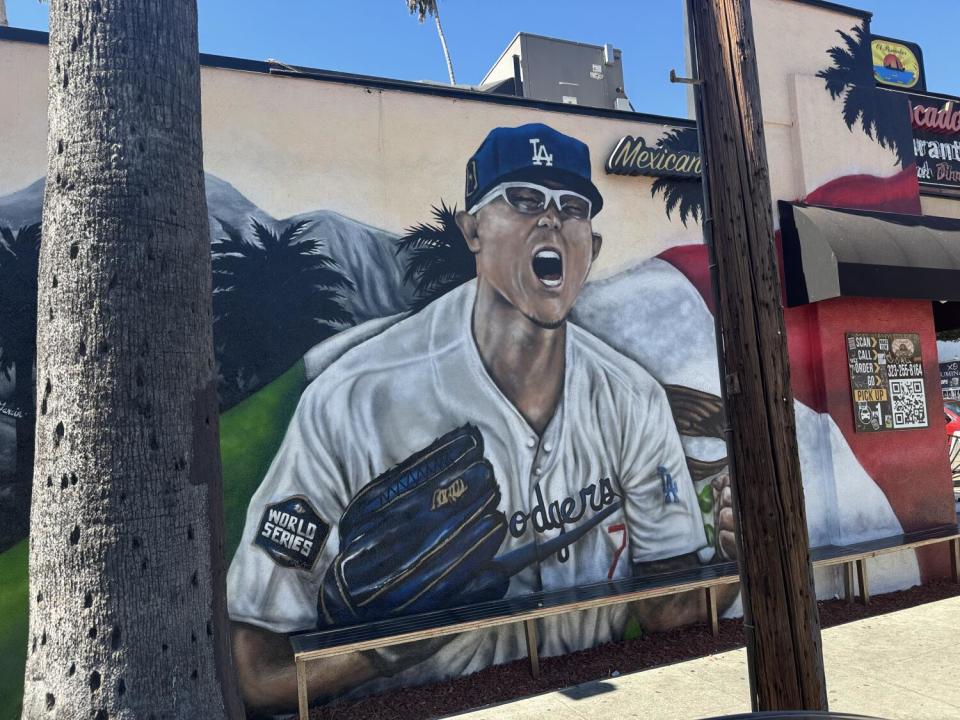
533	152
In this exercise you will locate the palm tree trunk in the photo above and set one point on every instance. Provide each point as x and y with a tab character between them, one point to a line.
127	591
3	14
443	44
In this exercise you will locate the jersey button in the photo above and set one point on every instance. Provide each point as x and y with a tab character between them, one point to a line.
531	443
547	447
537	470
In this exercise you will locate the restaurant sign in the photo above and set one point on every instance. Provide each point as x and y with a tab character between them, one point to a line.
936	139
886	381
632	156
897	64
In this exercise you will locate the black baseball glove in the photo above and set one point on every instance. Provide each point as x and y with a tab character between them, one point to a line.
421	536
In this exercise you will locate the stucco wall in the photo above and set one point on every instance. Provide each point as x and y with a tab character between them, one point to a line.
23	140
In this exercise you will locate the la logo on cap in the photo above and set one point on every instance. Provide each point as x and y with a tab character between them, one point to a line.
540	154
472	176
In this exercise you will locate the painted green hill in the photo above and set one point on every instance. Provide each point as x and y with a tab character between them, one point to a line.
13	628
250	434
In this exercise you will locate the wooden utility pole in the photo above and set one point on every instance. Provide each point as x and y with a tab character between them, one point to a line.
779	603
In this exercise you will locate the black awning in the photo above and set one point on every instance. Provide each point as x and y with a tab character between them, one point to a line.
830	253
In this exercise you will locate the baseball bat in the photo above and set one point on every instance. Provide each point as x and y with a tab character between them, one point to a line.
516	560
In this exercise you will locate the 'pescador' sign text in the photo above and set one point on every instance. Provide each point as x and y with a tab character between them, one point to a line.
632	156
936	139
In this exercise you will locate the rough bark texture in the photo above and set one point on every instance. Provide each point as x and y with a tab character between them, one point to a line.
786	658
127	607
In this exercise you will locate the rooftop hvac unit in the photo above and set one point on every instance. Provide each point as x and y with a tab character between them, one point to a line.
543	68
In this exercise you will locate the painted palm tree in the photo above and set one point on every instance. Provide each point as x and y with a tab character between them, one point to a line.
422	8
851	76
685	195
438	259
3	14
19	258
275	295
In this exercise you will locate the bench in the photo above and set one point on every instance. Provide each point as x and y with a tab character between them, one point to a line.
856	555
318	644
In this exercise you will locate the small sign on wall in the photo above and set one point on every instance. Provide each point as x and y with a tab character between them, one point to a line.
897	64
632	156
950	380
886	381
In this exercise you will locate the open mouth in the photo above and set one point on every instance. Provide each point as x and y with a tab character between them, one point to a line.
548	267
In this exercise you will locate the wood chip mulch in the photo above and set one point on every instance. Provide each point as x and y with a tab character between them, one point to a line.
513	681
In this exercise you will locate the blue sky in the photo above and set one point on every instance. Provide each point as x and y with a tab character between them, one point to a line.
378	37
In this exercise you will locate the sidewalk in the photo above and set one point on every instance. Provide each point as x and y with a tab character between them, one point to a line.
903	665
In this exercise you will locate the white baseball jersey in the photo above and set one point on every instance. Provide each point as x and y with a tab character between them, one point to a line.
611	439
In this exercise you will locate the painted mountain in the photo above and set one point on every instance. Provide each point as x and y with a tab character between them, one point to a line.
281	285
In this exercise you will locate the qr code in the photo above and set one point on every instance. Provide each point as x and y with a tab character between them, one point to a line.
909	404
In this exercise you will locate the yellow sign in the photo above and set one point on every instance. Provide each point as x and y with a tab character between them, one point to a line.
873	395
895	64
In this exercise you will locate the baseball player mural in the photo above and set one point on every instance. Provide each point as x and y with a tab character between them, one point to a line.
483	447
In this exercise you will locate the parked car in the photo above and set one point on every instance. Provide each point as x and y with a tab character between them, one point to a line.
951	409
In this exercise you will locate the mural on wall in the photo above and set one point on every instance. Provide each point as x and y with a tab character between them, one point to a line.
668	335
19	258
681	194
349	297
485	479
402	429
275	293
486	444
851	77
881	117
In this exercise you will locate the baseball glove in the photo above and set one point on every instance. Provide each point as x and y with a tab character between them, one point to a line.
421	536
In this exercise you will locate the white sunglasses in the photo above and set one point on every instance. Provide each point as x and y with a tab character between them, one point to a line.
532	199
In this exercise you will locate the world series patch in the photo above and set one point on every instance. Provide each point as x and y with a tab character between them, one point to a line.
292	533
